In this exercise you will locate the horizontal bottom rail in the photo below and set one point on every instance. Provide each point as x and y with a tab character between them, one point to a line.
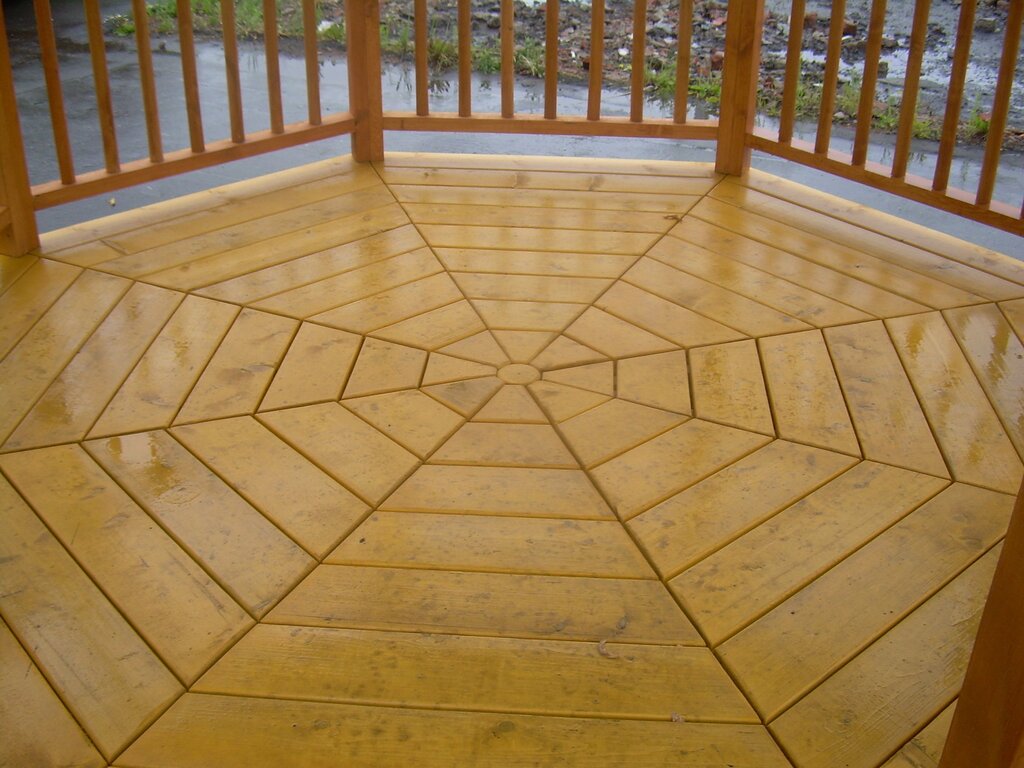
558	126
216	153
916	188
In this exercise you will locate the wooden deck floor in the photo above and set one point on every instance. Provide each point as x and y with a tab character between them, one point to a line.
500	461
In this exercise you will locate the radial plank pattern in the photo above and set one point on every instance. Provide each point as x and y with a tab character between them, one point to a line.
500	461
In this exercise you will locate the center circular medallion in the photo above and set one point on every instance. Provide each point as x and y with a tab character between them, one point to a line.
518	373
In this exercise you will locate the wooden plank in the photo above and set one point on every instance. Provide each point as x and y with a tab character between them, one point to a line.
614	427
954	95
383	366
562	218
559	678
108	677
162	379
996	355
531	287
828	253
1014	312
988	726
551	59
794	268
12	268
864	713
26	701
170	600
441	368
494	544
282	729
527	315
563	352
297	496
507	39
410	418
465	35
551	163
312	60
465	397
702	519
911	87
101	85
595	377
652	472
189	75
638	58
793	648
970	436
757	571
684	36
664	202
436	328
512	404
422	75
830	79
77	397
810	307
54	89
506	445
363	53
740	78
660	381
807	401
944	269
517	491
869	82
273	65
487	604
595	82
143	48
43	352
314	369
232	72
925	749
28	299
346	447
537	239
885	411
183	495
791	81
240	371
393	305
728	386
611	336
562	402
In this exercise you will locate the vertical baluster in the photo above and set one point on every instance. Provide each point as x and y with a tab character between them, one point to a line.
831	79
739	85
685	37
866	108
508	64
362	19
596	60
911	86
1000	103
422	72
551	60
189	76
954	95
101	80
54	92
270	49
312	61
465	59
636	86
234	83
20	236
147	81
791	84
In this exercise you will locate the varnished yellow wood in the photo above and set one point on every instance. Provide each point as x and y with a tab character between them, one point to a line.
884	408
556	218
719	304
441	368
530	287
51	343
409	417
562	401
382	366
881	711
179	492
481	347
468	673
465	397
793	648
512	404
997	357
158	385
526	238
649	473
26	701
760	569
301	499
465	603
613	428
174	605
523	346
35	291
76	398
491	543
13	267
506	445
705	517
240	370
518	491
393	305
969	433
564	165
360	457
107	676
563	352
314	369
924	750
579	199
728	386
527	315
533	262
593	377
807	402
367	735
614	337
436	328
659	380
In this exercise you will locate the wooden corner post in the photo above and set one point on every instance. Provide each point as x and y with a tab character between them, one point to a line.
366	102
18	233
739	85
988	724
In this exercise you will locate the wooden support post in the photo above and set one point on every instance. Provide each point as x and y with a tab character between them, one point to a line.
739	85
362	19
988	725
19	235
